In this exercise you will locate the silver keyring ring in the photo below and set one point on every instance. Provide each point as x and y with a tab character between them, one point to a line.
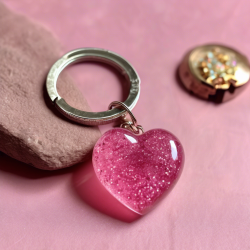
99	55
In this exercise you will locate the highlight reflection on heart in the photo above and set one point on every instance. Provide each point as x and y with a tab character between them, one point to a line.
138	169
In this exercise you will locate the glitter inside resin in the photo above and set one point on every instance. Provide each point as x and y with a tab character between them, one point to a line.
138	169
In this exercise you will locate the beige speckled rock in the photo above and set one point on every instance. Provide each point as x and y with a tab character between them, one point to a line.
31	130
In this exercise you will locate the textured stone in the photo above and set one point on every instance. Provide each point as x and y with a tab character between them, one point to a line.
31	130
138	169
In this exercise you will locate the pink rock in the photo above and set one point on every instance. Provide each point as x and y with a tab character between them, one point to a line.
138	169
31	130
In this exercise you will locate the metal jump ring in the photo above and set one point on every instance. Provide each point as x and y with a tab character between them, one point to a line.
134	126
100	55
117	104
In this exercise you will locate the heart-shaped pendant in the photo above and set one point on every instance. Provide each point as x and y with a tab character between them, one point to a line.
138	169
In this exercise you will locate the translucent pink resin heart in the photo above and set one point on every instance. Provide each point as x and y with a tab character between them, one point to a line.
138	169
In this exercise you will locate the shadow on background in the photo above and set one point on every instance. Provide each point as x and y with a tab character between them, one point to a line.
10	165
95	195
85	184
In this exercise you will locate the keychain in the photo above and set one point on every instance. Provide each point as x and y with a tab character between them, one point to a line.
136	167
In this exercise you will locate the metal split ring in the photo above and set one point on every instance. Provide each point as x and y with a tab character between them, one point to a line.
99	55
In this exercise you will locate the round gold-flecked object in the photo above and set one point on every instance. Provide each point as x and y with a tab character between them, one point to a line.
214	72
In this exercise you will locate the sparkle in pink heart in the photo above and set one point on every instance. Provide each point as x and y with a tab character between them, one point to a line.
138	169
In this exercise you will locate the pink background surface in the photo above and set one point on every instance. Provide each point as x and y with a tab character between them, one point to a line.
210	206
